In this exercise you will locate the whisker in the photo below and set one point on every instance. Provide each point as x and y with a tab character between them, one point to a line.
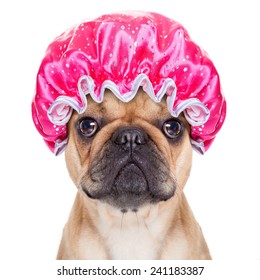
122	218
145	224
137	220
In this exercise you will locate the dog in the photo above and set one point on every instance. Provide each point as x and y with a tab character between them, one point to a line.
130	163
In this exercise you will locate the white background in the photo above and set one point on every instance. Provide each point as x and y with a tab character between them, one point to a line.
36	193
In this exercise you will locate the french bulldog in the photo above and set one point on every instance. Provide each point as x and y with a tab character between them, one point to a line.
130	163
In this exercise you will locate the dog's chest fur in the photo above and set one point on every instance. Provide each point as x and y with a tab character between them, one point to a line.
136	236
130	238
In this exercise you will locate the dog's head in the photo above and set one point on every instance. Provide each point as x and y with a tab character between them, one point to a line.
128	154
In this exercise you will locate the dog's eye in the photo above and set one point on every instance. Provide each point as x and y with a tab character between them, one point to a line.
88	127
172	128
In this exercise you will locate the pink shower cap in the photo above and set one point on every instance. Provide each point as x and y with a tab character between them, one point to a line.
122	52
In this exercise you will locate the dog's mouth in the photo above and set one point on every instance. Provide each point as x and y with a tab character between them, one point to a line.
131	188
130	179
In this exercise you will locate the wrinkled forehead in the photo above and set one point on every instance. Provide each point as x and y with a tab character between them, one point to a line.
142	106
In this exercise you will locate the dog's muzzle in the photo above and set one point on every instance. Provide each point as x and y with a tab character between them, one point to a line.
130	172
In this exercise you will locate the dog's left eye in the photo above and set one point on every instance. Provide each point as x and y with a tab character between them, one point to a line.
172	128
88	127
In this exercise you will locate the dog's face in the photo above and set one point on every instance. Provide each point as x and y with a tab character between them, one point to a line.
128	155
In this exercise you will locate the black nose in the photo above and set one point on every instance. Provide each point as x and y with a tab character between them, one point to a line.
130	137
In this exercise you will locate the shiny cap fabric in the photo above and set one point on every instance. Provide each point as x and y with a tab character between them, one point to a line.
122	52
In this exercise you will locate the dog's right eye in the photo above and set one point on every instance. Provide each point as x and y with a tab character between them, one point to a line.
88	127
172	128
